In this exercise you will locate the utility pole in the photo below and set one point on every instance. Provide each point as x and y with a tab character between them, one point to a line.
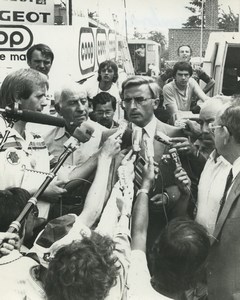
201	34
125	13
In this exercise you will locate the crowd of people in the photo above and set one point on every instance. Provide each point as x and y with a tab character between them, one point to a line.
118	202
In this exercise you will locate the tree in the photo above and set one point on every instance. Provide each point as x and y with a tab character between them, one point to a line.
227	21
195	20
157	37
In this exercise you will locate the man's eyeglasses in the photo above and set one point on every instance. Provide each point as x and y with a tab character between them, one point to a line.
212	127
137	100
103	113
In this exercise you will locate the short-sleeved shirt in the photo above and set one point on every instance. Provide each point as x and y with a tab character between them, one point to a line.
57	136
24	163
181	100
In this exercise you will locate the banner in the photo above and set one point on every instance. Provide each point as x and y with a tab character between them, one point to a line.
27	12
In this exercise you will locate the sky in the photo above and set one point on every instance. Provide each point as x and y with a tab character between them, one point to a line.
147	15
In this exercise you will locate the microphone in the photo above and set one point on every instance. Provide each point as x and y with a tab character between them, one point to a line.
136	139
175	157
32	116
120	130
81	134
149	149
163	138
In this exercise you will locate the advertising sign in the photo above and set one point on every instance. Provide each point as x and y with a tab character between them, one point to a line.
31	12
78	51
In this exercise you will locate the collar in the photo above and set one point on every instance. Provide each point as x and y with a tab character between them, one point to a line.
218	158
236	167
150	128
182	92
60	133
14	255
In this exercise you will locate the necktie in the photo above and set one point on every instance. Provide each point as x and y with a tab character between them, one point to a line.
140	161
227	186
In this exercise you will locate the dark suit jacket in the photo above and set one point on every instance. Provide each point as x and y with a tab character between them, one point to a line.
223	270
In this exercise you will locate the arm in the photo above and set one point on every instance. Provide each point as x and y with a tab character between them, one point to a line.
183	184
199	92
207	79
95	198
209	86
140	211
169	100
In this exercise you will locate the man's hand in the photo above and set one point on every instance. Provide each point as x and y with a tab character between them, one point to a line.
192	129
111	147
169	197
8	242
183	145
148	175
55	190
183	181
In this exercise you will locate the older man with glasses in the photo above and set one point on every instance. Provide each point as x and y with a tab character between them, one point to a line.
223	263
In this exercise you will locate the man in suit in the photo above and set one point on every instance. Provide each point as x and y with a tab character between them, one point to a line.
224	259
140	96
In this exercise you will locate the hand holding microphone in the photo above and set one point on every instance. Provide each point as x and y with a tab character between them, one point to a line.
81	134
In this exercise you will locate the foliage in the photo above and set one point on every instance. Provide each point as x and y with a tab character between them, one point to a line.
195	20
157	37
227	21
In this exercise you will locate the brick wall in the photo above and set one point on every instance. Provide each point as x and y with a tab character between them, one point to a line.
188	36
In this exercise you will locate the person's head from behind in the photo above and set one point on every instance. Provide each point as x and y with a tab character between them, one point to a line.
182	71
12	202
179	256
226	131
104	106
207	115
107	72
40	57
25	87
184	53
72	104
84	270
140	97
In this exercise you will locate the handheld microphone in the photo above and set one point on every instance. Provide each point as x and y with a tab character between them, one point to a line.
175	157
136	139
81	134
163	138
120	130
32	116
149	149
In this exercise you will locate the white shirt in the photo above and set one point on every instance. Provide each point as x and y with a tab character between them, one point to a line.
139	284
210	190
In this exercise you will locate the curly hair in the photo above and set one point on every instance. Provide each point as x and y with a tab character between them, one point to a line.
12	202
83	270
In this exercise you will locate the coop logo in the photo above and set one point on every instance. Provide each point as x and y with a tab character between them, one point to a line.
86	52
15	38
101	45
